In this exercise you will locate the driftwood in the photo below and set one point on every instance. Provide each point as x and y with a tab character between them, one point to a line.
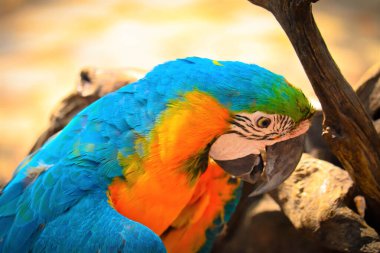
265	229
315	199
348	128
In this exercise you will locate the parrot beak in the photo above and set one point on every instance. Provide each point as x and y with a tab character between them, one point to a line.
282	160
267	171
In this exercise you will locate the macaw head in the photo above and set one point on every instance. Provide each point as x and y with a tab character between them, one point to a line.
267	117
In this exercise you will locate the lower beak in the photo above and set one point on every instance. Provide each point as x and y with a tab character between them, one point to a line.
281	160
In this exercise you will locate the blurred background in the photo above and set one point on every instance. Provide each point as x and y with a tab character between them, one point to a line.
44	44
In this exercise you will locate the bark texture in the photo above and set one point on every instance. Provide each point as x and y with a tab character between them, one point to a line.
315	199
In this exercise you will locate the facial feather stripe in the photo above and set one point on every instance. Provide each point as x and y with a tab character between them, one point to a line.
247	128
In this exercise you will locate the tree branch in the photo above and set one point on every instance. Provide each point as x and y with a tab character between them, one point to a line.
347	127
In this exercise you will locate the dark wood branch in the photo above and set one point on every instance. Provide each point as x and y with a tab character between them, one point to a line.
347	127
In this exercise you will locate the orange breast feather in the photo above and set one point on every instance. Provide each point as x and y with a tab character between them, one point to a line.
158	191
213	191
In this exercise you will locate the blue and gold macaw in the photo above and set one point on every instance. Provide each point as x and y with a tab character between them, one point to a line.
157	165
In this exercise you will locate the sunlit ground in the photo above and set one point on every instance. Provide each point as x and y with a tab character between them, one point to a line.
44	44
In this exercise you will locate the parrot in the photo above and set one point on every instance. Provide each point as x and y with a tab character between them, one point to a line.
157	165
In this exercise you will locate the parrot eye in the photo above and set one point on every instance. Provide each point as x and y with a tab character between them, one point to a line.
263	122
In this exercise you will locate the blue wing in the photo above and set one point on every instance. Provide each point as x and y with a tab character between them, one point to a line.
78	162
93	226
64	208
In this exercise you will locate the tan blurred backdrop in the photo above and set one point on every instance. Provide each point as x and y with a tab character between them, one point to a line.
44	44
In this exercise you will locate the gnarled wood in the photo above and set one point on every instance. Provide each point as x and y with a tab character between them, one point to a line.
314	199
347	127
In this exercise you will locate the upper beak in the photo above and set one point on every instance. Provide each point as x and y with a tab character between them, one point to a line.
265	175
